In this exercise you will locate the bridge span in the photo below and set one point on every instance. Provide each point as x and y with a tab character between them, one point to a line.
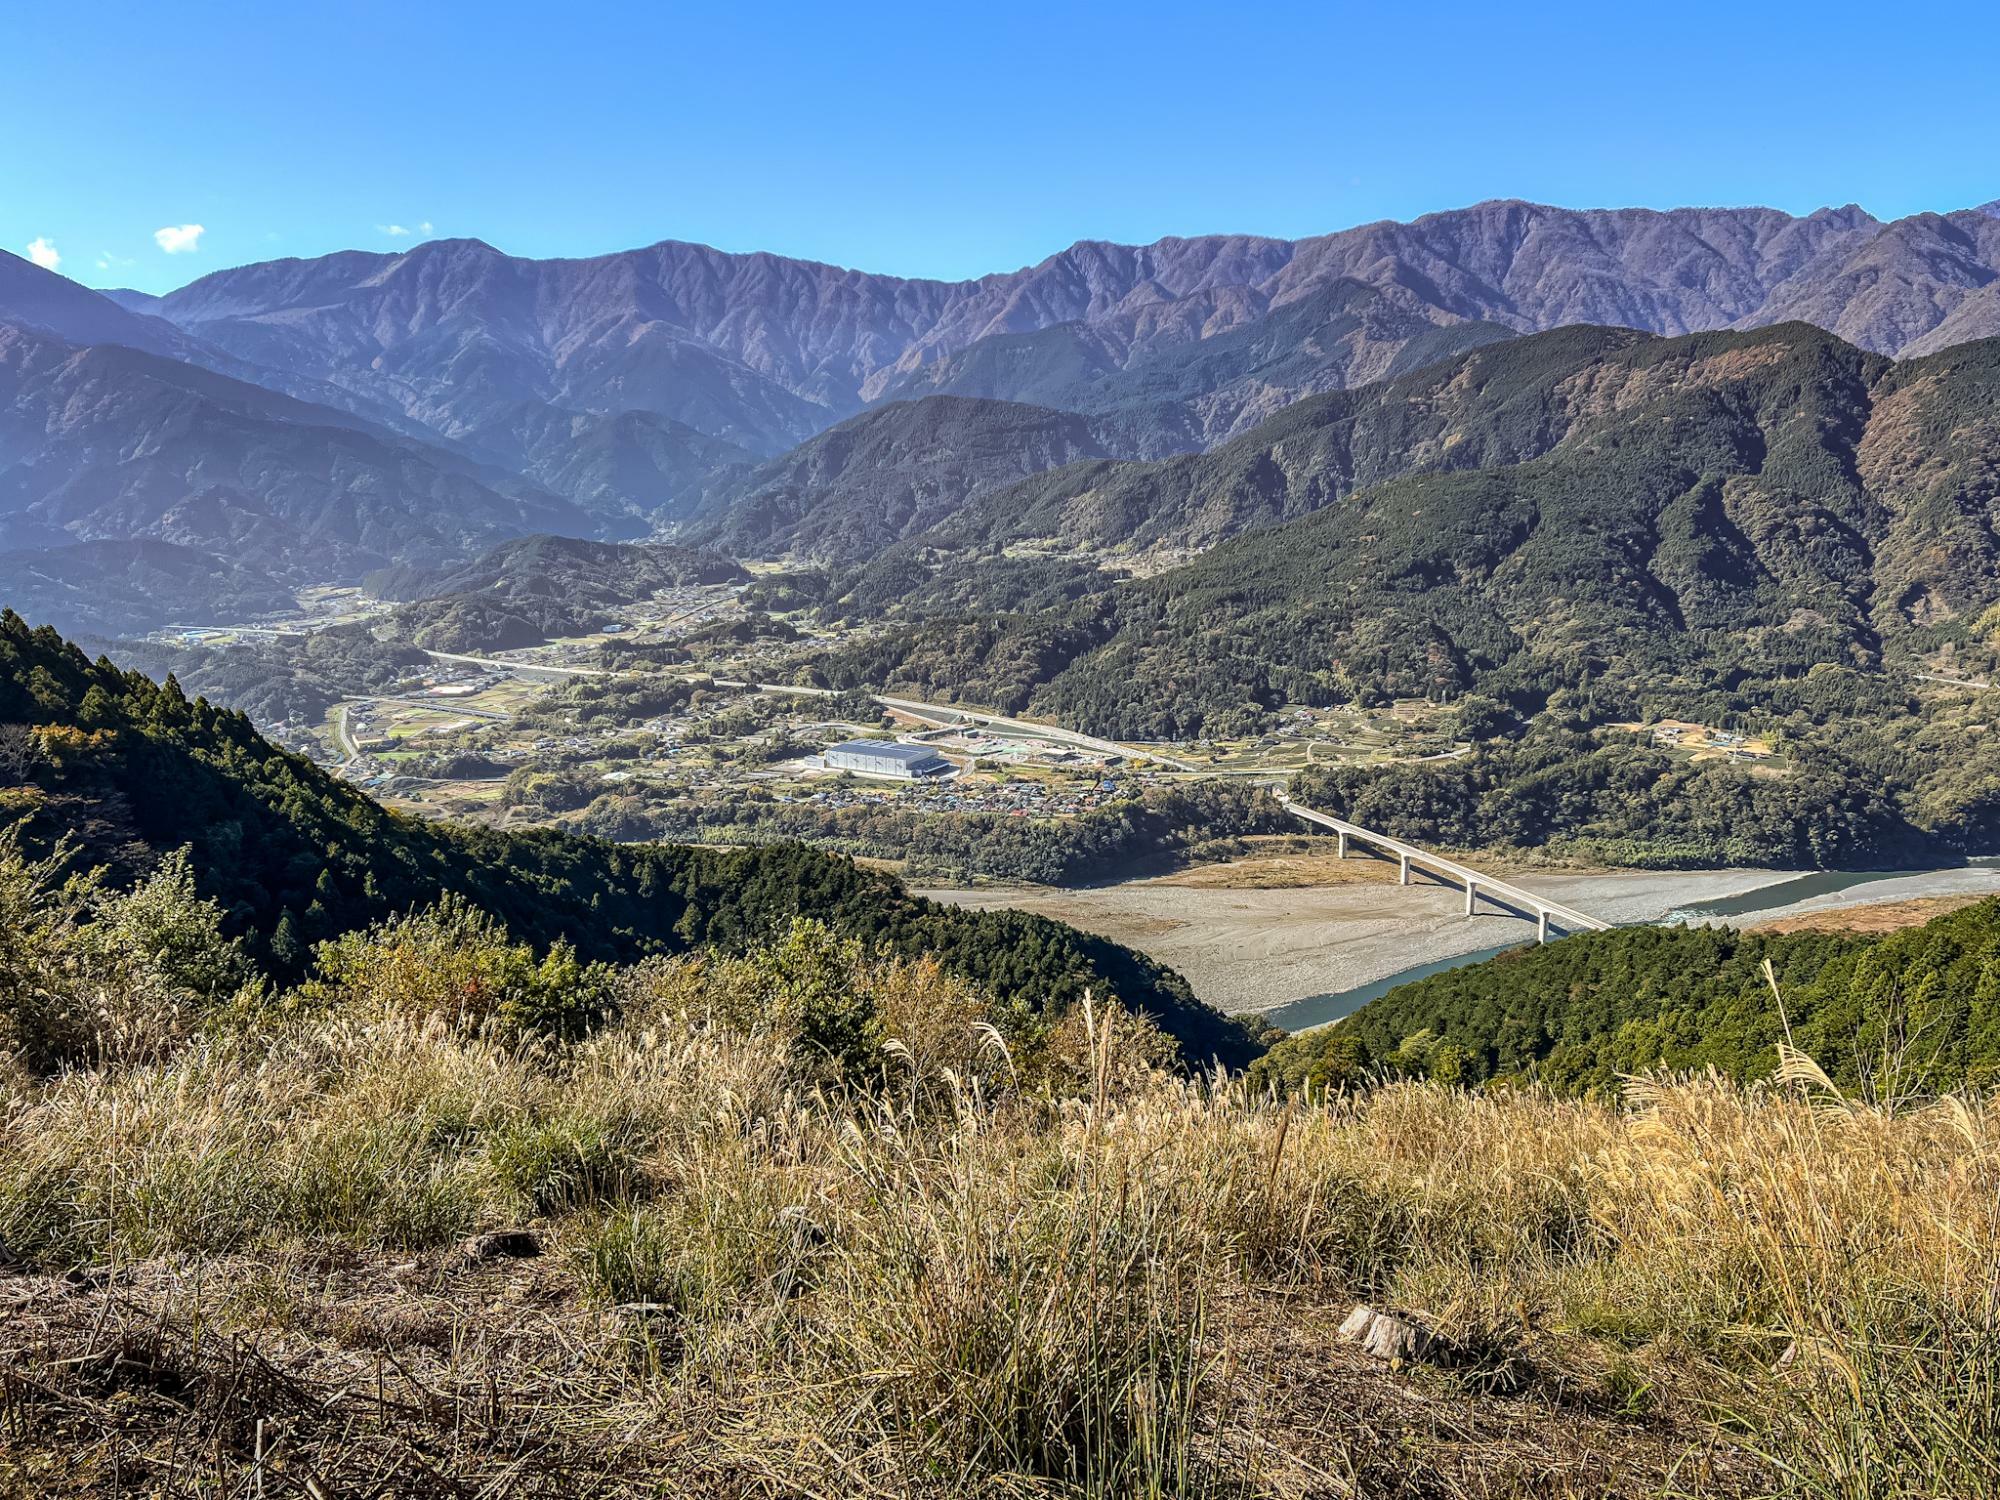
1500	892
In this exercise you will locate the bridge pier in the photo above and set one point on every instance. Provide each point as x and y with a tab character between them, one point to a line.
1511	898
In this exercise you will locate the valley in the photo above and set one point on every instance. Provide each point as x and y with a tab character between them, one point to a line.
1303	940
671	720
923	753
665	717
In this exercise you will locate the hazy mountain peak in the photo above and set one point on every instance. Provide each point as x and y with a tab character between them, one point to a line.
56	305
130	299
456	252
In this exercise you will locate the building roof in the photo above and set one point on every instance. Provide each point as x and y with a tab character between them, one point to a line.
909	755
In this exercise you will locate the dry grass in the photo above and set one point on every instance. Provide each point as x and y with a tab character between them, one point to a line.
759	1283
1290	869
1873	917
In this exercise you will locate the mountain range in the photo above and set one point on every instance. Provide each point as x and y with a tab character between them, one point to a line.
1526	516
761	346
888	474
109	444
359	409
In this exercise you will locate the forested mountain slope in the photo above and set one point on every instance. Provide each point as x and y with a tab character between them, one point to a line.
1490	407
1732	523
888	474
1496	406
131	770
134	586
525	591
1915	1012
1628	509
560	567
635	462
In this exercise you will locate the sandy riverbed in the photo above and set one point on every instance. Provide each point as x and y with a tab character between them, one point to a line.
1256	947
1265	932
1911	892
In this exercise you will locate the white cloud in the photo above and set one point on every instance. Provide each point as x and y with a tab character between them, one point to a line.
44	254
394	231
425	227
179	239
111	262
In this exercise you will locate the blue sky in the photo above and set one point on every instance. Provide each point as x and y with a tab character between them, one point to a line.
940	139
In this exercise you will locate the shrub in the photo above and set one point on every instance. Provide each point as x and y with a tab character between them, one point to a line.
455	963
92	974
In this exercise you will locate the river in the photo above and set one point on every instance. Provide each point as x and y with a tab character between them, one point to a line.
1804	891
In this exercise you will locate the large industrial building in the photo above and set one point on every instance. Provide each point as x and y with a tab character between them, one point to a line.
885	758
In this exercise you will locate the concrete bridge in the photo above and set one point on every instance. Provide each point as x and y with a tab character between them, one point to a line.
1545	912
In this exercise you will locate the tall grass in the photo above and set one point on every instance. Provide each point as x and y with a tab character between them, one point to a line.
939	1281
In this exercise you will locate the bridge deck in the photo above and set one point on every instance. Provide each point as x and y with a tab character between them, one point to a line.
1475	883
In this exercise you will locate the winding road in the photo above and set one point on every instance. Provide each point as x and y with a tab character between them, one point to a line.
939	713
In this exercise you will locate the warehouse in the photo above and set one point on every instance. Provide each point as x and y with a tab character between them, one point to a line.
884	758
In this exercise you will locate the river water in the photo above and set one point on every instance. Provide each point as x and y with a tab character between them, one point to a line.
1811	885
1808	886
1317	1010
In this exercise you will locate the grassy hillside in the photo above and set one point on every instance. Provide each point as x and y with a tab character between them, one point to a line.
130	770
360	1238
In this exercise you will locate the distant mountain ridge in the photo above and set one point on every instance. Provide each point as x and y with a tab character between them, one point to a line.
108	443
1187	396
40	299
621	393
771	348
1167	347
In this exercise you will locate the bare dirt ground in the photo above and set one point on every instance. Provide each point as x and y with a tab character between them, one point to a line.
355	1375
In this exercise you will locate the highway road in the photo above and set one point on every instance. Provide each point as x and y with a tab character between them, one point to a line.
939	713
518	666
440	706
343	738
